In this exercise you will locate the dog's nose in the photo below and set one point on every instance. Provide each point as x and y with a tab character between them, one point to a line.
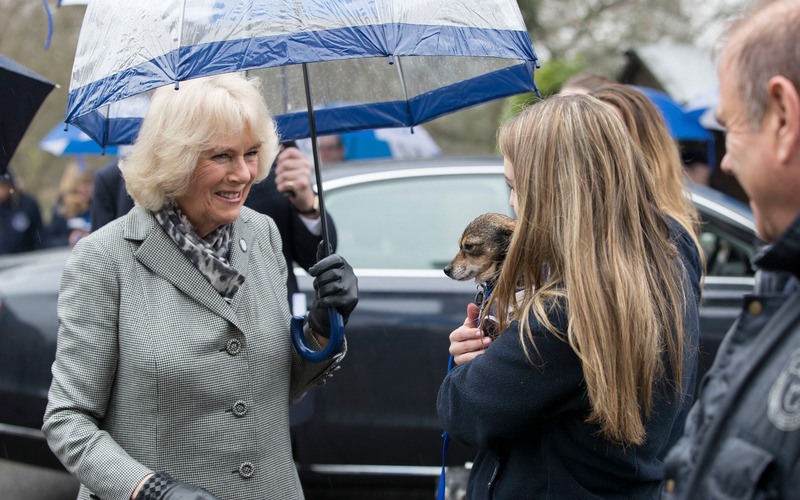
448	269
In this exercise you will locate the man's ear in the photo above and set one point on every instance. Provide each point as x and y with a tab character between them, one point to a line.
785	105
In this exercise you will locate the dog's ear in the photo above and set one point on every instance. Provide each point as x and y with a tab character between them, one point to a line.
505	227
509	225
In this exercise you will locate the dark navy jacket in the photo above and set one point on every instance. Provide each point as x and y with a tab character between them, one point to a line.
529	426
110	199
742	436
21	228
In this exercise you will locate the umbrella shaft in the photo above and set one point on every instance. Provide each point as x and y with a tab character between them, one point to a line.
312	125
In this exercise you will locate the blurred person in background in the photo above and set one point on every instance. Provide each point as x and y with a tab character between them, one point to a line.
330	149
71	218
110	199
584	82
21	228
694	157
286	195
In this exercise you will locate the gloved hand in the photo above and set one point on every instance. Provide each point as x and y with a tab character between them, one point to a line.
335	285
162	486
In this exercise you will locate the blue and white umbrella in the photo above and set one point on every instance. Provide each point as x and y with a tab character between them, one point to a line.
72	141
396	63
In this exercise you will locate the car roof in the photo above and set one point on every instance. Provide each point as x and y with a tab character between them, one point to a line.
361	167
353	172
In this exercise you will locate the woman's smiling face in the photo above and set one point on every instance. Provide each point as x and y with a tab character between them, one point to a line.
220	183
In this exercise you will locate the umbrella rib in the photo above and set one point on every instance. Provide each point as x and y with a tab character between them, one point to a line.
405	90
180	44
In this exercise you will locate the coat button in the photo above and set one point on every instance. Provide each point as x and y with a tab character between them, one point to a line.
669	485
243	245
239	408
234	346
246	470
755	308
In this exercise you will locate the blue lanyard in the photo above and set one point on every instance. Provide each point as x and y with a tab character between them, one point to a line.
481	298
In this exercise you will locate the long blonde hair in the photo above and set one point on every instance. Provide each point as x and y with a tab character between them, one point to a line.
650	133
590	233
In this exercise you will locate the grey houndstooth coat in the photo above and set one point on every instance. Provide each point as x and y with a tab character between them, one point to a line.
156	371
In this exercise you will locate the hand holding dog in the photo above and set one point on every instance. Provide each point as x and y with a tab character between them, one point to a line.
468	341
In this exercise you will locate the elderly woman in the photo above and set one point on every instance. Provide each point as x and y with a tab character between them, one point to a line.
175	371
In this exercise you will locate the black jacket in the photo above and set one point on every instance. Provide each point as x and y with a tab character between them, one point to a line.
110	200
742	436
299	244
21	228
529	423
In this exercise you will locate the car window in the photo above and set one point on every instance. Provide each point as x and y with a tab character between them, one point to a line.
727	254
411	223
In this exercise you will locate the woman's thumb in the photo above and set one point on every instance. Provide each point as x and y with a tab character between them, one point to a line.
472	315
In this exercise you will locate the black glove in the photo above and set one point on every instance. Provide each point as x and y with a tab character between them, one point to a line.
335	285
161	486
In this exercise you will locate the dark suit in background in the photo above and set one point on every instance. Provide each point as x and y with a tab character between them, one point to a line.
299	244
110	200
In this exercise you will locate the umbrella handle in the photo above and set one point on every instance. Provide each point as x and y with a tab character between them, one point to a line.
334	344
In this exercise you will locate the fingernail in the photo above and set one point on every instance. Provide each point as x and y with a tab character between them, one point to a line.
478	333
486	340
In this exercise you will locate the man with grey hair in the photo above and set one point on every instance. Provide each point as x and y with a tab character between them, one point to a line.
742	437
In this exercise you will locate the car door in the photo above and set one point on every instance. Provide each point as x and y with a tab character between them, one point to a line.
730	244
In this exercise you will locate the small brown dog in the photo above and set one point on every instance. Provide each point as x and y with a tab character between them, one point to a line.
482	250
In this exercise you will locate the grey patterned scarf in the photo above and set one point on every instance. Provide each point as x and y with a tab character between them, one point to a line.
209	255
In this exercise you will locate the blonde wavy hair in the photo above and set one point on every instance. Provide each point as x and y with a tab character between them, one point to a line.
590	233
181	124
649	131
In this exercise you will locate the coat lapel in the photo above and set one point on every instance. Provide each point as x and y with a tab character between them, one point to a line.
242	245
161	255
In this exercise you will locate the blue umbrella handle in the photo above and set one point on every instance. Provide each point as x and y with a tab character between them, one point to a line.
334	344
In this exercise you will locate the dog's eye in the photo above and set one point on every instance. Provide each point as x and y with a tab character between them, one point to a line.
468	247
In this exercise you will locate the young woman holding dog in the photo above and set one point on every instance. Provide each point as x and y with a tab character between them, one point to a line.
580	394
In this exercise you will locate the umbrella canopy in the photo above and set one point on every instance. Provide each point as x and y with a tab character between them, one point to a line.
394	63
22	93
72	141
703	108
682	125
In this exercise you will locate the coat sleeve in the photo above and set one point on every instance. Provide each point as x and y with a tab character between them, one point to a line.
500	394
83	375
304	243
